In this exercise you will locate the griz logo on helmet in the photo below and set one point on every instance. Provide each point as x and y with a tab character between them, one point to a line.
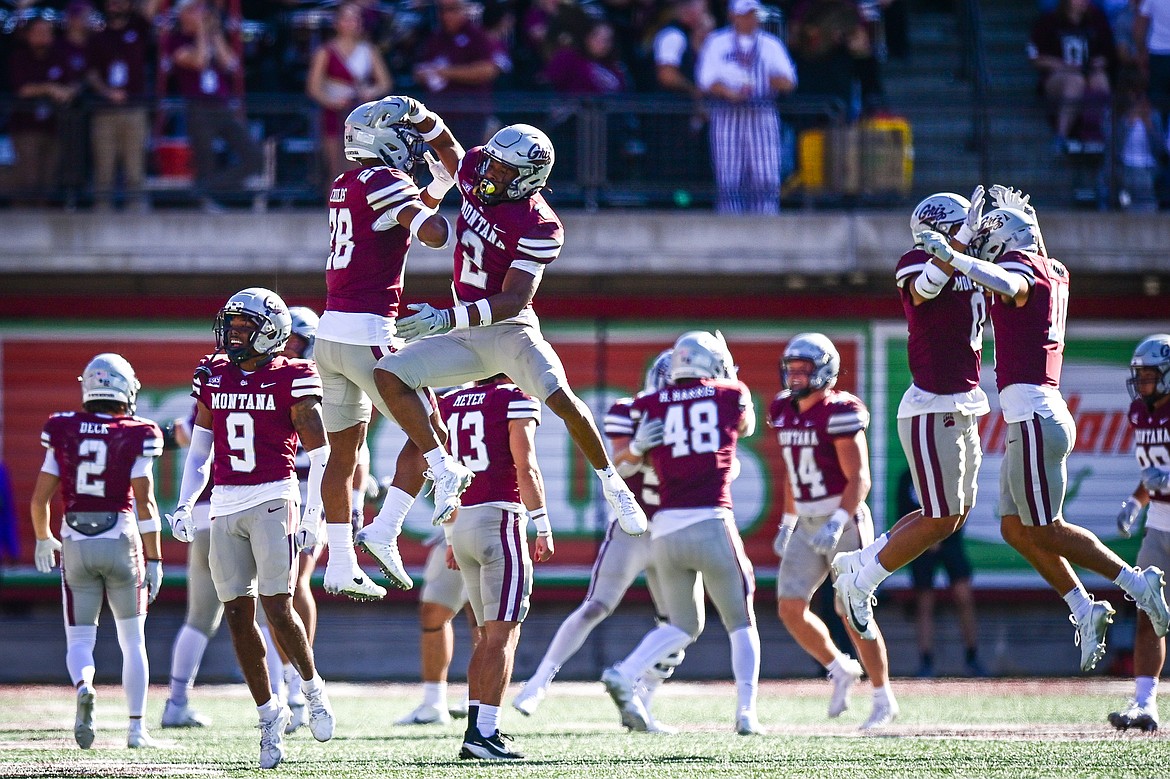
932	213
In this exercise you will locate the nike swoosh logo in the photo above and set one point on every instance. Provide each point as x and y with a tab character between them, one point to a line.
270	511
357	580
269	384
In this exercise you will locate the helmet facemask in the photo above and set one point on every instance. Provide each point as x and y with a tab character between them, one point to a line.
379	131
526	155
269	316
1151	355
820	353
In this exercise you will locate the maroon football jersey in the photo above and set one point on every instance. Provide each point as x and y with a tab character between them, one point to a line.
477	420
490	238
1029	339
643	482
807	441
364	272
254	441
95	456
701	425
1151	439
946	332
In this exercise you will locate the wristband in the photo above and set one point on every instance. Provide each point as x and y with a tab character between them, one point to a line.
422	216
539	518
965	234
462	320
840	517
485	312
931	281
151	525
435	131
439	189
420	113
789	520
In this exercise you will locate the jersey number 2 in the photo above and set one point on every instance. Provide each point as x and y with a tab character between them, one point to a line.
92	453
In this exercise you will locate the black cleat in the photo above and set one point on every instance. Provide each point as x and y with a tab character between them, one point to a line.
477	746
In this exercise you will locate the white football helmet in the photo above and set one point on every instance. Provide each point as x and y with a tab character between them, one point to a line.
700	355
1005	230
1152	352
267	311
817	349
520	146
110	376
659	374
942	211
379	130
304	324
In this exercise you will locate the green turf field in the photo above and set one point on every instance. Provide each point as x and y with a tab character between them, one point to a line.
984	728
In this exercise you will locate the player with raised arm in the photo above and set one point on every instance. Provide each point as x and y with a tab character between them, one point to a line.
694	541
253	405
825	455
492	428
1029	310
102	459
375	211
1149	416
620	560
506	235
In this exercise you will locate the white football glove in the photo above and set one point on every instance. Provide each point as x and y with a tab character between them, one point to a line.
45	555
1007	197
1127	516
783	535
1154	479
182	526
308	529
443	180
428	321
974	214
936	244
416	111
649	434
154	579
827	538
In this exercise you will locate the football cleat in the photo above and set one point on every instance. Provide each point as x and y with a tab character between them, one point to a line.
426	715
1136	717
176	716
477	746
83	729
458	710
1153	600
883	714
1090	635
449	485
843	679
748	724
621	690
138	738
529	698
387	556
353	583
321	719
857	603
272	738
631	518
299	715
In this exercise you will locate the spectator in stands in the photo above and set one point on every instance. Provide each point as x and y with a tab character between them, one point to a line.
38	76
121	116
1151	37
73	47
203	68
1140	149
1072	48
345	72
462	62
677	45
834	53
591	67
742	69
678	143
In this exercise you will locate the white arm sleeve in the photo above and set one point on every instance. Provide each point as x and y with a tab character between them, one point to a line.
989	275
317	460
197	466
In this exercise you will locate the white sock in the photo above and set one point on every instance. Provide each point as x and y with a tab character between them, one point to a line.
340	536
745	665
186	655
393	512
654	647
609	478
1146	691
871	552
882	695
568	639
275	666
489	719
269	710
295	685
435	695
871	575
436	458
1078	600
80	641
312	686
135	668
1131	581
835	666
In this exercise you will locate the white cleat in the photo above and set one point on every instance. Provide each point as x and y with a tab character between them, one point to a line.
272	738
748	724
138	738
857	603
385	553
528	700
1090	634
426	715
1153	600
300	715
354	583
883	714
83	729
458	710
843	679
176	716
621	690
449	485
321	720
630	516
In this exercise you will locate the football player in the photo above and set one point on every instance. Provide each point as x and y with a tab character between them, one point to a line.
253	405
826	457
1029	310
620	560
506	236
492	428
694	541
1149	416
375	211
102	459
